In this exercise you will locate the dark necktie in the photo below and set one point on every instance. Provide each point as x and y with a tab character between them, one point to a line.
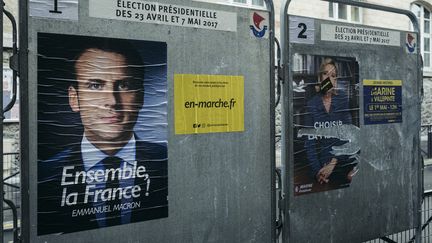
113	217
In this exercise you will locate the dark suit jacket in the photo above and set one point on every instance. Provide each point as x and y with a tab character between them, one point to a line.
53	218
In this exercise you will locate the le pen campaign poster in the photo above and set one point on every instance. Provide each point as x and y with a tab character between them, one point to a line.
102	132
326	122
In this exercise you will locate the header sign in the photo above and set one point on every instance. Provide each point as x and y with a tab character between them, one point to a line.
159	13
358	34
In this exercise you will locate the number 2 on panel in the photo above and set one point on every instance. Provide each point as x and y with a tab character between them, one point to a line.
303	27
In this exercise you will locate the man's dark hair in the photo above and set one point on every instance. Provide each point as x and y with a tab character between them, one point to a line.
59	57
117	46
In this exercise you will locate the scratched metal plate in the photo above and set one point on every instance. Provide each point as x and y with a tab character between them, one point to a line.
219	185
382	196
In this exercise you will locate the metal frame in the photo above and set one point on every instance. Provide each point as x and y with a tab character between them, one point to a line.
1	122
287	118
270	8
14	66
13	62
24	120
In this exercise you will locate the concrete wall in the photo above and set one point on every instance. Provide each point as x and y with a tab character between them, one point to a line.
387	20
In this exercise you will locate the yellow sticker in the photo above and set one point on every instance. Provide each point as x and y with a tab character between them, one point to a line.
208	103
369	82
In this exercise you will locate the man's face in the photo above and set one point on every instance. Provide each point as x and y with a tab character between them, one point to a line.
108	97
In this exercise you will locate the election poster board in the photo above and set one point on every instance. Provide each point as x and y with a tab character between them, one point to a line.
102	132
326	122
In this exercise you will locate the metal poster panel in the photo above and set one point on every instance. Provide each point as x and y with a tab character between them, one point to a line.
102	132
208	103
382	101
326	122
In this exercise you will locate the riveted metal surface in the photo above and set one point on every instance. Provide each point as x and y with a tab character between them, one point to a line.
383	196
220	185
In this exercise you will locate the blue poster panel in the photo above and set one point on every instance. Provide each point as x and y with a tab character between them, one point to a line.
382	101
102	132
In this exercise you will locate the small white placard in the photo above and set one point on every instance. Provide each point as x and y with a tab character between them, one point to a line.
411	43
361	35
167	14
58	9
259	24
302	30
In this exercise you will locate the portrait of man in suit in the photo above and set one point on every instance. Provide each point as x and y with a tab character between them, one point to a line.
104	174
